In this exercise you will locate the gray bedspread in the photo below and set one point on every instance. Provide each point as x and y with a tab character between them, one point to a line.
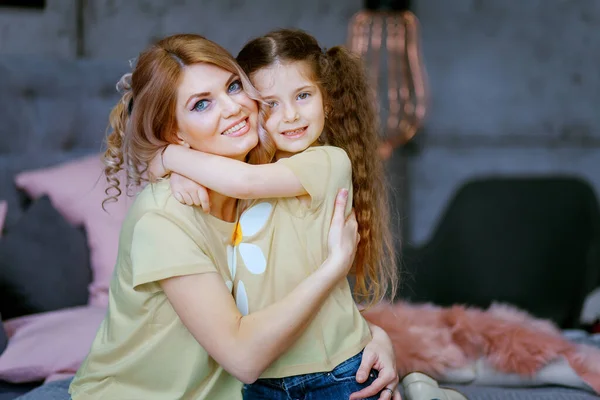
542	393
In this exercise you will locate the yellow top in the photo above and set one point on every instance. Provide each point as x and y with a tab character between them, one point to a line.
142	349
280	242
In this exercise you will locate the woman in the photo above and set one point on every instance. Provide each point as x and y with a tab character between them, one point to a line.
172	329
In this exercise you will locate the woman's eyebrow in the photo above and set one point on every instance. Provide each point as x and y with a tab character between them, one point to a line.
232	78
196	95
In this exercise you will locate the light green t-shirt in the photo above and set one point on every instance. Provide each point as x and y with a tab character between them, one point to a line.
281	242
142	349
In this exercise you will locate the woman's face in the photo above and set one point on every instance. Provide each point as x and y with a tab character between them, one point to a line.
214	114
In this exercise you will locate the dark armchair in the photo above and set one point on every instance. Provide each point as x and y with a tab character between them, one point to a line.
530	242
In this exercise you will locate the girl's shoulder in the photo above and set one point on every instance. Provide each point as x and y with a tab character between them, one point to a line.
332	162
336	154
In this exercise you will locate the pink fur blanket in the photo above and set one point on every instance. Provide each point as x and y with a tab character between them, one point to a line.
435	340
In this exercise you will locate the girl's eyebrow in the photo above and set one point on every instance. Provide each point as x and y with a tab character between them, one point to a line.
305	87
267	97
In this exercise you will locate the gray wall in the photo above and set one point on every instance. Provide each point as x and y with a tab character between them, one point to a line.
515	90
119	29
52	32
514	84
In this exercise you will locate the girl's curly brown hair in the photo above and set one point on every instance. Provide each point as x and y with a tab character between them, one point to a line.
351	124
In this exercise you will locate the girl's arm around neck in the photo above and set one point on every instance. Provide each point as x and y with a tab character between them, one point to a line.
231	177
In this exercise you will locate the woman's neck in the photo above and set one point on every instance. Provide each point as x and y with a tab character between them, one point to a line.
222	207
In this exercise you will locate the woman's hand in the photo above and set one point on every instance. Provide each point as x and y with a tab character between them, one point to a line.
379	355
186	191
343	235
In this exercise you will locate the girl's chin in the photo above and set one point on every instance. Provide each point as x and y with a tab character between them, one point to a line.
294	147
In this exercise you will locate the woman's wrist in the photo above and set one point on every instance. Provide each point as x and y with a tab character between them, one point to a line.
379	334
334	268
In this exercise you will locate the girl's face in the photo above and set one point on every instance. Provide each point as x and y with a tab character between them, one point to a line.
214	114
296	114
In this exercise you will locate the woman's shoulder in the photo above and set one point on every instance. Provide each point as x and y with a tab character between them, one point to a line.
156	209
157	198
153	197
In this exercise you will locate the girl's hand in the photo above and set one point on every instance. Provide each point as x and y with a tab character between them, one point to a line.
186	191
379	355
343	235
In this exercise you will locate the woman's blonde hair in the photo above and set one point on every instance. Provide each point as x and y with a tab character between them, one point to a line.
143	121
351	123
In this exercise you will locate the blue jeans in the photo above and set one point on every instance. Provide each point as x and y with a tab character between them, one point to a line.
57	390
337	384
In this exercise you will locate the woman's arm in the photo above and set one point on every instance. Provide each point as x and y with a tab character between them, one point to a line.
246	345
231	177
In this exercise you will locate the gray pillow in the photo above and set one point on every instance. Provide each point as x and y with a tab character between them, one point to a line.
44	263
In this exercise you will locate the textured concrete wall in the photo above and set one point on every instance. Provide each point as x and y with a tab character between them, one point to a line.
512	70
51	32
133	24
515	91
119	29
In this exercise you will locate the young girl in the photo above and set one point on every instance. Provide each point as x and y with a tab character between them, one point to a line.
321	131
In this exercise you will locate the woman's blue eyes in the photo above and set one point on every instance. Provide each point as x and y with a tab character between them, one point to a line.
201	105
235	86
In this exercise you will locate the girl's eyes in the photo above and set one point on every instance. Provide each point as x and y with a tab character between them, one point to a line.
235	86
303	96
201	105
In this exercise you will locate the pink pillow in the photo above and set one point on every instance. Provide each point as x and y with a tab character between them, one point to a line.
76	189
44	345
3	207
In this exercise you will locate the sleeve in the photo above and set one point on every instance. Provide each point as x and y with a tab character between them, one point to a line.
162	249
322	171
